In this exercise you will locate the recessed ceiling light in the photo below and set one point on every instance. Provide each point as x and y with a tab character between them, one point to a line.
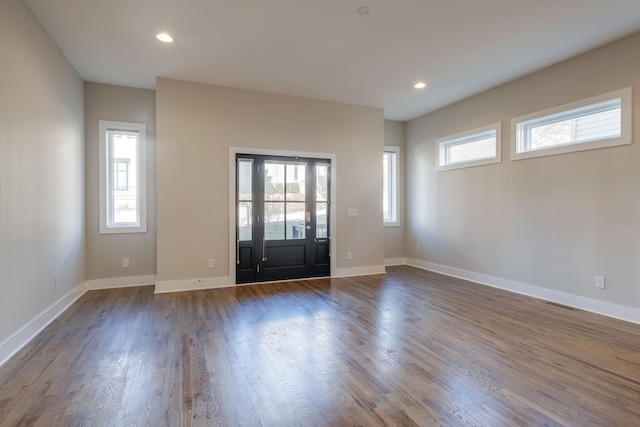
362	10
164	37
420	85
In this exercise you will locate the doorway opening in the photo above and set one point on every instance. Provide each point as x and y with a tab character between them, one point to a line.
282	223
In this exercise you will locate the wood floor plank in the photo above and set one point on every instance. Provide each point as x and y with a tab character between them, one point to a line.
409	348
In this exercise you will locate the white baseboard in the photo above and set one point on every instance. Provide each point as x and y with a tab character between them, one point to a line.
120	282
388	262
615	311
226	282
358	271
193	284
18	340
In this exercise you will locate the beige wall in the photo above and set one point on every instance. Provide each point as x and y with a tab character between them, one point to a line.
41	171
196	126
552	222
394	237
105	251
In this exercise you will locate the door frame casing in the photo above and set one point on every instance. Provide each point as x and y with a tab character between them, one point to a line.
232	199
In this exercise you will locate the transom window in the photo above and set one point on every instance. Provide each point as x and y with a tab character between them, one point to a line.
481	146
597	122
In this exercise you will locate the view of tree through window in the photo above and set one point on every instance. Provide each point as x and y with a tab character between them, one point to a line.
284	201
600	125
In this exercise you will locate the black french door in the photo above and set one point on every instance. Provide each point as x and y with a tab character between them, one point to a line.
282	218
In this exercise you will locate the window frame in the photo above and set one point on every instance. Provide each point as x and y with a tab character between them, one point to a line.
518	151
393	186
106	181
465	137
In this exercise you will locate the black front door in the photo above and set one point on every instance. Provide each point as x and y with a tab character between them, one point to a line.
282	218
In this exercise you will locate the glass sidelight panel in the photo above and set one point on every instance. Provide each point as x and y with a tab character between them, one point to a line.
322	183
245	212
245	199
322	200
321	220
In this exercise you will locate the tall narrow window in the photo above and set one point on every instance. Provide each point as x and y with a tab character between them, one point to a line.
122	177
390	185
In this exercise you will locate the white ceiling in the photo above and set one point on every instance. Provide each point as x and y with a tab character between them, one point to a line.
324	50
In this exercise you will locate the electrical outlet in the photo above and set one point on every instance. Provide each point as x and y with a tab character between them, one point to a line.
211	263
349	255
56	282
418	248
125	262
600	282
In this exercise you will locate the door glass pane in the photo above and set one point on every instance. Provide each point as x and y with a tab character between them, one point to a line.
245	186
273	181
321	220
245	196
245	213
274	220
296	179
295	220
322	183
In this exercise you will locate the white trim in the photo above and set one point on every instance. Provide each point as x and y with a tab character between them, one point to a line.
193	284
447	140
232	197
13	344
120	282
625	132
358	271
388	262
615	311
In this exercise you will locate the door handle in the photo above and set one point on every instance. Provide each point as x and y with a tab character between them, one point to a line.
238	252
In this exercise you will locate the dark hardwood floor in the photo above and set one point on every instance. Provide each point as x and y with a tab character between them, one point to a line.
406	348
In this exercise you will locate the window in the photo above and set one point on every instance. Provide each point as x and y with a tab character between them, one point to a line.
481	146
122	171
597	122
121	174
390	185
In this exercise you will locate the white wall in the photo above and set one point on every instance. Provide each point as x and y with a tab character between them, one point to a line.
196	126
41	173
105	251
551	222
